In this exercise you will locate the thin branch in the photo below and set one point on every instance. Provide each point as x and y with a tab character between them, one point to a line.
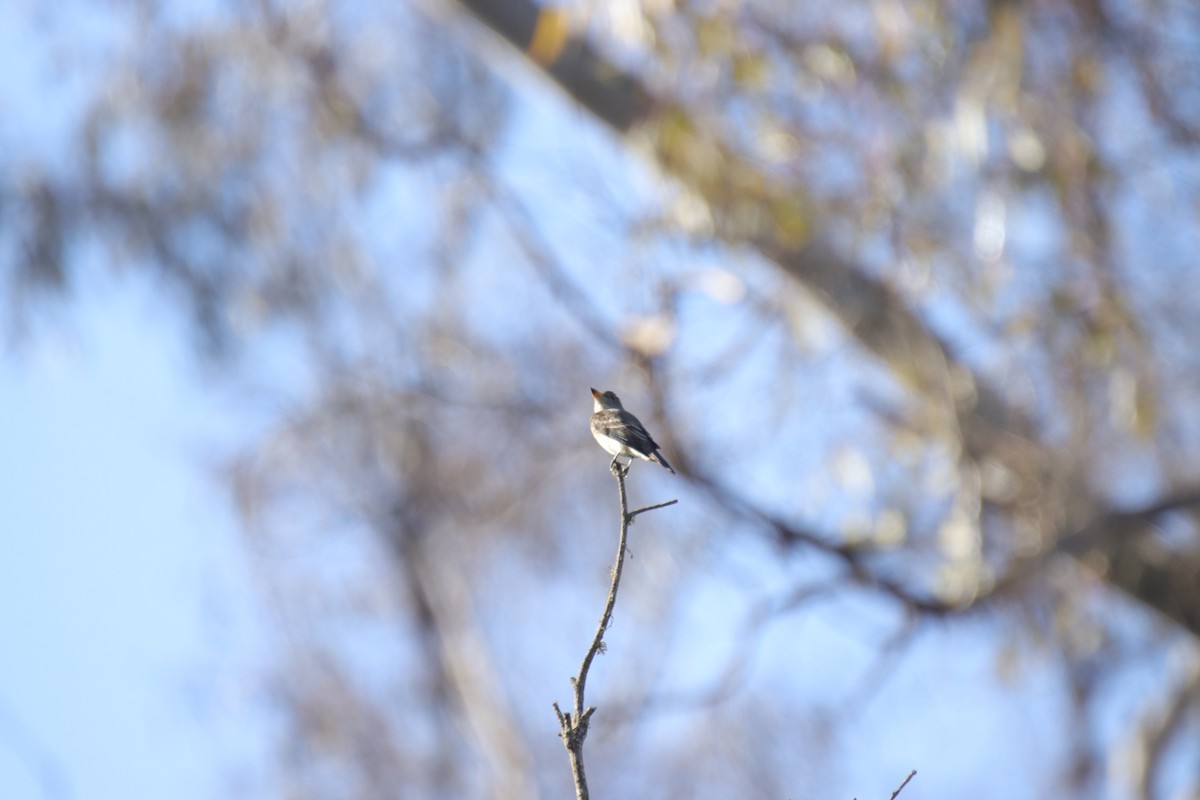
574	724
633	514
900	788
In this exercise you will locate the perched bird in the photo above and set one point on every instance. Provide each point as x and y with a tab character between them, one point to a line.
621	433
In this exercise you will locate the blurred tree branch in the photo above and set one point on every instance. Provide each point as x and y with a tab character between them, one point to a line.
778	220
1156	732
48	770
613	95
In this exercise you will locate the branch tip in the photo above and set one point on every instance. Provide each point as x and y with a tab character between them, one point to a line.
900	788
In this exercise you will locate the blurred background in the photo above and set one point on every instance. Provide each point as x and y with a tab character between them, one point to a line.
301	302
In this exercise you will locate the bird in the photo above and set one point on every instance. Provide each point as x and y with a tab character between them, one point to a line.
621	433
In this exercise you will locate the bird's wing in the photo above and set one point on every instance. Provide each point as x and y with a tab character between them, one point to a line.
619	424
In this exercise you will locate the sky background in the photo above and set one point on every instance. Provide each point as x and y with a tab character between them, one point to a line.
125	609
126	616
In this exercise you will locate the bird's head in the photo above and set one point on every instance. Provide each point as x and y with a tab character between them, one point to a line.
605	400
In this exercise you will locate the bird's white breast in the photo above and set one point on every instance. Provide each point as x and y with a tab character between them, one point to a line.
612	445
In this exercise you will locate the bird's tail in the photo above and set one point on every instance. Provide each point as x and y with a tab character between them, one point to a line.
658	456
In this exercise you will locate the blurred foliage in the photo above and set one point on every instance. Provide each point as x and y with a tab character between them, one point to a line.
910	301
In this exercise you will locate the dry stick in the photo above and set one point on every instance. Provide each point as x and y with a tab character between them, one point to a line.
574	724
900	788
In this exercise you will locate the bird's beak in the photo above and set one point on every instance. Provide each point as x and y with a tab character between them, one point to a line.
595	394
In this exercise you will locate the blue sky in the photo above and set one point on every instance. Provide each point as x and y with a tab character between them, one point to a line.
128	633
120	573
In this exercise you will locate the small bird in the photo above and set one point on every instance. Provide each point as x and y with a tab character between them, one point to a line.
621	433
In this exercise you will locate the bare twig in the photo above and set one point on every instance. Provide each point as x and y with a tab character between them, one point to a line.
574	724
633	514
900	788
